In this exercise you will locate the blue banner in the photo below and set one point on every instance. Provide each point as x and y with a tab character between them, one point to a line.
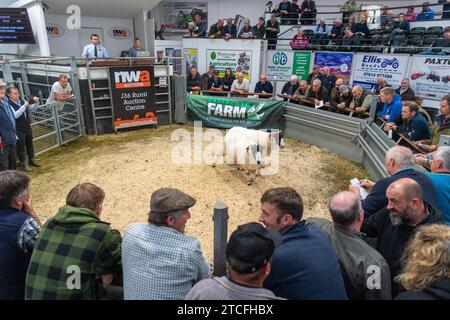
340	63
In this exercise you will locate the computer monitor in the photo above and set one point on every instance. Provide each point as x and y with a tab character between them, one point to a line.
143	54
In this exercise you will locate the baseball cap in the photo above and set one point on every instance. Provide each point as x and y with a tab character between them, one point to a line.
251	246
216	72
169	199
343	88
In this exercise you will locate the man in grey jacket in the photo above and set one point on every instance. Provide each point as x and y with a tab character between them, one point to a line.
366	273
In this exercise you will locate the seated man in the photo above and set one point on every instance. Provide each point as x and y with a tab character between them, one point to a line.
328	79
411	123
159	261
240	85
343	99
357	259
19	229
440	177
441	46
263	86
350	40
335	90
193	81
200	26
321	32
392	104
317	93
427	13
135	48
362	100
229	31
441	127
216	83
405	91
315	74
400	30
390	228
304	266
290	87
248	254
74	249
335	34
301	91
399	162
207	76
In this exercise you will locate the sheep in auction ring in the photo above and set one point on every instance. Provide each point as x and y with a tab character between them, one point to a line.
247	149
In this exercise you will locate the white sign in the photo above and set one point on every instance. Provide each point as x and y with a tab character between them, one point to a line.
430	76
120	33
368	67
279	64
237	60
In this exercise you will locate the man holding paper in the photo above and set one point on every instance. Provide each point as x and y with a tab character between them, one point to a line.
317	93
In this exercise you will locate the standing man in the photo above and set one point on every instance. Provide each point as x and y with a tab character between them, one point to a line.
272	30
7	132
315	74
328	79
19	229
305	265
216	30
95	49
60	93
23	128
259	30
160	262
135	48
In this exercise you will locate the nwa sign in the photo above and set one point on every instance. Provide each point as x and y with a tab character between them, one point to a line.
369	67
283	64
227	113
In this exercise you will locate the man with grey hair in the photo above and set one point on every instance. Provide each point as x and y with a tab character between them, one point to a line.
240	85
216	30
317	93
362	100
399	162
160	262
247	31
440	177
390	229
290	87
357	259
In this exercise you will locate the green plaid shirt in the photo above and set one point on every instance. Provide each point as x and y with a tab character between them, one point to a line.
72	249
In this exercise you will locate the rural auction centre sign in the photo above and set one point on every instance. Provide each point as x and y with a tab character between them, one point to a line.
133	96
430	76
283	64
369	67
237	60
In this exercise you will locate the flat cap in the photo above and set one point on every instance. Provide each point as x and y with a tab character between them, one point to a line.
168	199
343	88
2	83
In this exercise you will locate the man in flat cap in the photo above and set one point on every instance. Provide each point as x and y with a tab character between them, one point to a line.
160	262
248	253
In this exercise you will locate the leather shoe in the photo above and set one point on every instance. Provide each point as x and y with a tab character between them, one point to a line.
34	163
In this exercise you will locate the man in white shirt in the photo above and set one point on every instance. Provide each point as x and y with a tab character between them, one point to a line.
60	93
240	85
95	49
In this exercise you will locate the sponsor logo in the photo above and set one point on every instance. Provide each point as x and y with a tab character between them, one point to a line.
370	61
119	33
279	58
54	30
132	79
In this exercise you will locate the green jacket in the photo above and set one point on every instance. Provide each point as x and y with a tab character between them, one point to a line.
349	7
441	127
71	250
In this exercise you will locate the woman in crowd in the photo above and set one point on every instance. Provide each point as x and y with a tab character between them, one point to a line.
426	272
228	79
300	41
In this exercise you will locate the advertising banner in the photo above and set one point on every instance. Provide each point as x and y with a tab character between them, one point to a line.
430	76
340	63
191	58
177	15
228	112
237	60
369	67
133	96
283	64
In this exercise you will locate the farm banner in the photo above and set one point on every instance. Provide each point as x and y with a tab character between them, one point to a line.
228	112
369	67
430	76
133	96
340	63
237	60
283	64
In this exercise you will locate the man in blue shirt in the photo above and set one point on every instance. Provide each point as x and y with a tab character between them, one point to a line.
7	132
95	49
427	13
304	266
392	104
440	177
135	48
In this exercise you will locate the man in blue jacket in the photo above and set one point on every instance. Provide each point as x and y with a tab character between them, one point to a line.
412	124
7	132
305	265
427	13
399	162
392	104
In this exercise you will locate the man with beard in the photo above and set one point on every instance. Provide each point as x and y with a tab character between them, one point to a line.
389	230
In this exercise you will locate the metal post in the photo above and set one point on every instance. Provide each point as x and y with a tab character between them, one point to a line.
7	73
373	110
169	89
76	90
220	219
275	82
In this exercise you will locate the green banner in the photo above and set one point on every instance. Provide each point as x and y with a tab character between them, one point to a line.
229	112
300	67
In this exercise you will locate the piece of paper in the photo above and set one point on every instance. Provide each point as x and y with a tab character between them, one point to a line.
362	192
320	104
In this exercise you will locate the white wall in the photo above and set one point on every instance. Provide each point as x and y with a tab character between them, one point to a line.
69	44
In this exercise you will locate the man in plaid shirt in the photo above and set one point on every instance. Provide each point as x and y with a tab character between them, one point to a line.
19	228
74	249
159	261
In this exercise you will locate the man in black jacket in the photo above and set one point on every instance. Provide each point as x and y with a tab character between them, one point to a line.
399	164
405	91
24	132
390	229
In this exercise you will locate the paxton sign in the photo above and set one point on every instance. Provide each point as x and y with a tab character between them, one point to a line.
228	112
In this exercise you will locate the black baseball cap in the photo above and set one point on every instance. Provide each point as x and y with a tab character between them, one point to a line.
251	246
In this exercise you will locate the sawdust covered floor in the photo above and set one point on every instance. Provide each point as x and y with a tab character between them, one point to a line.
131	165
